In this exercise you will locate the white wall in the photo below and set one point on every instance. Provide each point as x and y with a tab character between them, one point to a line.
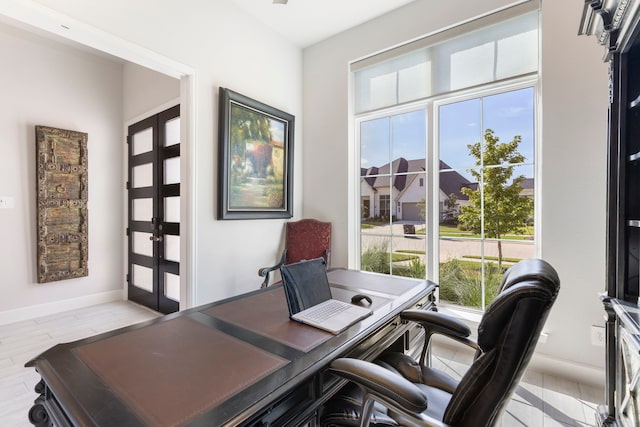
225	47
574	102
145	90
47	83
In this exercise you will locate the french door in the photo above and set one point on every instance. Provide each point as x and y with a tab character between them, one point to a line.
153	231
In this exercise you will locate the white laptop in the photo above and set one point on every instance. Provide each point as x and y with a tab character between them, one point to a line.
309	298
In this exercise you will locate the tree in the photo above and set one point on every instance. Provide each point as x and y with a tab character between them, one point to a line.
450	214
505	211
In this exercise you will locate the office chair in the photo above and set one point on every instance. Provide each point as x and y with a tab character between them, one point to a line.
397	390
304	239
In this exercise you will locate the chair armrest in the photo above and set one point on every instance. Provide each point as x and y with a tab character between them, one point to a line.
404	400
438	323
380	381
264	271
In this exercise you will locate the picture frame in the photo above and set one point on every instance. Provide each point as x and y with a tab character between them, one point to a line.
255	159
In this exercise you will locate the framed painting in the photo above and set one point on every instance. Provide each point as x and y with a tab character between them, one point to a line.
255	159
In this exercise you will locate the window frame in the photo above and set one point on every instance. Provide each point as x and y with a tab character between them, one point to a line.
431	107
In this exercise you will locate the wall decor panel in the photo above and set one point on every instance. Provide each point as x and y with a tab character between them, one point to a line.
62	196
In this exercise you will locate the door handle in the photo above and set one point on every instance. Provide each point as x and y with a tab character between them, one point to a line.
155	238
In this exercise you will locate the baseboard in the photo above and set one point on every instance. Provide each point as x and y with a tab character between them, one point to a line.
33	311
581	373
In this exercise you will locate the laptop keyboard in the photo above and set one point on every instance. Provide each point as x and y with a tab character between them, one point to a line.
323	312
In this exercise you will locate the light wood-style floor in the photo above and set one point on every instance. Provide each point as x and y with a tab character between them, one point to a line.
540	400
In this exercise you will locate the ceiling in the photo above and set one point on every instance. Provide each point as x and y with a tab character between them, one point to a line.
305	22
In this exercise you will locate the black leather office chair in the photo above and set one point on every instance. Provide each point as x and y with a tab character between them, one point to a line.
400	391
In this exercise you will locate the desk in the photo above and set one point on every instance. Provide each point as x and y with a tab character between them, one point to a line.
235	362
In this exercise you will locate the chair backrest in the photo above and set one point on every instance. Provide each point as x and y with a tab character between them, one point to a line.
507	336
307	239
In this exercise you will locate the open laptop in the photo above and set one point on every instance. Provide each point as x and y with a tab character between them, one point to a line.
308	294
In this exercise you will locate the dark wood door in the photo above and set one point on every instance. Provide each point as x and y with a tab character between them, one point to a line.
153	231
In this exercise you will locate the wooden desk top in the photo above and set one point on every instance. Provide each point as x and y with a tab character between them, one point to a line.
216	364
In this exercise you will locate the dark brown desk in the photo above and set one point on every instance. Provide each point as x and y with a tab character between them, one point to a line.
240	361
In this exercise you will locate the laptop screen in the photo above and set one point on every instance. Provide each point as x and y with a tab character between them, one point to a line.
305	284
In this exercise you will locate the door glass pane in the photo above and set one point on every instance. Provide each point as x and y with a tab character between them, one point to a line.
142	176
142	141
172	247
142	244
142	278
172	286
172	132
142	209
172	209
172	170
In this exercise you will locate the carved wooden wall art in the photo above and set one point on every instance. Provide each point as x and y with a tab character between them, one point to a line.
62	204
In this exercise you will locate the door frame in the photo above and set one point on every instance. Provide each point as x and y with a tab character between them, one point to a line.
57	25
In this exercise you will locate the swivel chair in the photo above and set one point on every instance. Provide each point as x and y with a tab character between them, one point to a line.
397	390
304	239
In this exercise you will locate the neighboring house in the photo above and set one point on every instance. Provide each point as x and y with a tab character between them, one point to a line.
400	191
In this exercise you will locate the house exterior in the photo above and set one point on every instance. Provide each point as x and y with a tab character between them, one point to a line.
400	191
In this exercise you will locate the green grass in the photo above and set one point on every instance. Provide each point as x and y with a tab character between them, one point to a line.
411	251
396	257
460	282
493	258
453	231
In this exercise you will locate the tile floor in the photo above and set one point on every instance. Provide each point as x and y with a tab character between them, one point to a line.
541	400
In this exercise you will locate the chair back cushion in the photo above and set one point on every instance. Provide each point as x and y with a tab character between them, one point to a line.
307	239
507	336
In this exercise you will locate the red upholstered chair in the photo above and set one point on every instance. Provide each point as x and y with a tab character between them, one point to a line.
304	239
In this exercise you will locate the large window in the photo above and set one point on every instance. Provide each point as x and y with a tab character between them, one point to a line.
392	215
486	203
446	145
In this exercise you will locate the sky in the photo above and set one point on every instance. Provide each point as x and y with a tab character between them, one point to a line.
460	123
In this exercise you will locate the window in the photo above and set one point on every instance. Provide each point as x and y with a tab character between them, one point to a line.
486	205
393	161
445	134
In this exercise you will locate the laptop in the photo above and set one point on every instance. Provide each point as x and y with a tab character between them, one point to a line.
308	294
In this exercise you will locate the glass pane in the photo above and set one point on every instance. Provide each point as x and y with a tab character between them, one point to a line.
382	90
472	66
142	141
142	209
451	196
414	82
459	126
172	247
142	278
374	145
460	275
142	176
172	286
172	132
508	115
142	244
172	209
409	136
172	170
408	256
367	195
375	255
411	200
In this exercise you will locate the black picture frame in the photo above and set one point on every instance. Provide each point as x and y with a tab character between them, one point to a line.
255	159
